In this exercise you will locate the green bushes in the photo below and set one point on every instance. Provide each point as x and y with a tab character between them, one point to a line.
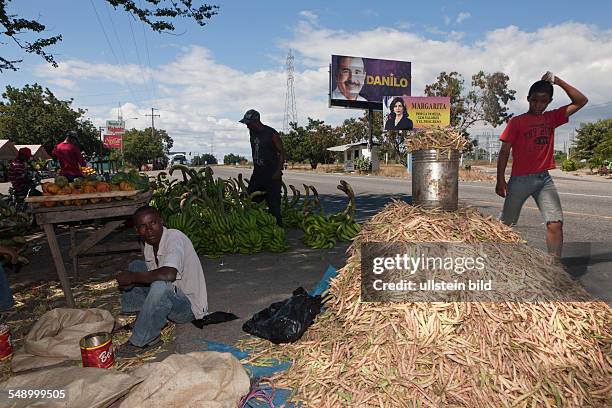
568	165
363	164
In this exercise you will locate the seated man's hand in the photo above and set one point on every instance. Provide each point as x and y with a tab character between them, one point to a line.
124	280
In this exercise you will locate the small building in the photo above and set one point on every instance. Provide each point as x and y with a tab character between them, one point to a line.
353	151
38	151
8	151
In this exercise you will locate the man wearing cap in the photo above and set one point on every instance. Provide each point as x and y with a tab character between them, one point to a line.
18	172
268	158
69	156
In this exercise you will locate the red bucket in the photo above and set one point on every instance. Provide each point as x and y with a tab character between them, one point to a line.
97	350
6	349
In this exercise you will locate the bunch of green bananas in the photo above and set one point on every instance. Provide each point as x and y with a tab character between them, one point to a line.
318	232
292	217
324	232
190	226
219	216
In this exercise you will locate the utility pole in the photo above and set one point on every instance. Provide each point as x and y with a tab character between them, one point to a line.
153	115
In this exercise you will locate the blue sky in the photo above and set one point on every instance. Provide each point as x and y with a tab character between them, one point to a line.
203	78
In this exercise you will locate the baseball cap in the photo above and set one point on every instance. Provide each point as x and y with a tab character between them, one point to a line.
250	116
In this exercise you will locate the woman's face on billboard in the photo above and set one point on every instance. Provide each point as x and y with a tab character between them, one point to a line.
398	108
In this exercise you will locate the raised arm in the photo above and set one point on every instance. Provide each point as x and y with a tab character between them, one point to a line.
578	99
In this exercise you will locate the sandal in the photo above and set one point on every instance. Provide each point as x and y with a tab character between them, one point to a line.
128	350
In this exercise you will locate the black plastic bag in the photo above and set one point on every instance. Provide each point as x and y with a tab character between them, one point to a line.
285	321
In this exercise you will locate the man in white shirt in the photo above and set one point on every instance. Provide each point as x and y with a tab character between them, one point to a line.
350	77
168	285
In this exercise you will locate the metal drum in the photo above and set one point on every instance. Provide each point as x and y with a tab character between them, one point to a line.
435	179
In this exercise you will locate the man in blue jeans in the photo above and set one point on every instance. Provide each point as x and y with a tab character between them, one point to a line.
168	285
530	136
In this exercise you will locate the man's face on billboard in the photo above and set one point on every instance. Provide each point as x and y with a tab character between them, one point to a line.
351	76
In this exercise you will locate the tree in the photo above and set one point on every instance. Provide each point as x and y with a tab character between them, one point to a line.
589	138
143	146
204	159
486	101
34	115
157	14
293	143
309	143
232	158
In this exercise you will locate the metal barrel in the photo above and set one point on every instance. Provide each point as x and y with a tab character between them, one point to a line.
435	179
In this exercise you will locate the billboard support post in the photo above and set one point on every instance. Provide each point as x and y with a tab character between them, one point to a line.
370	127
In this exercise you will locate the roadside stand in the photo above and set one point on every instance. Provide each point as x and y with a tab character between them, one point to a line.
67	203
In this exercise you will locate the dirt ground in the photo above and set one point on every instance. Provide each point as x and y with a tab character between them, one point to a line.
236	283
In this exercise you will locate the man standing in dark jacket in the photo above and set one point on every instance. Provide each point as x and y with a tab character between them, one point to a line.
268	158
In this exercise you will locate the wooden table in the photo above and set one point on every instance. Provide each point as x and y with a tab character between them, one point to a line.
48	217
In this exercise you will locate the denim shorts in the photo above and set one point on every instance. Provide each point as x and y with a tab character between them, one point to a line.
541	187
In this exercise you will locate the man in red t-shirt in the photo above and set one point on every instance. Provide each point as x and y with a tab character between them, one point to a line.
69	156
530	136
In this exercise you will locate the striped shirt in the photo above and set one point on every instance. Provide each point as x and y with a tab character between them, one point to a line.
18	175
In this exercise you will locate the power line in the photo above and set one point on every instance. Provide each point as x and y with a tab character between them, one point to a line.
111	46
144	35
144	77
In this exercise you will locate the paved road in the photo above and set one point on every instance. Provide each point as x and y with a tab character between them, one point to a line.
587	206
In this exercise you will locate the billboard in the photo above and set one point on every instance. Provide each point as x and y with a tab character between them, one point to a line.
361	83
115	127
415	112
113	141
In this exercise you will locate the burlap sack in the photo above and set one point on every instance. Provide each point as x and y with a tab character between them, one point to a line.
55	336
200	379
83	387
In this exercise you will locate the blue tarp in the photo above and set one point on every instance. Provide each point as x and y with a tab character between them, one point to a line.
255	371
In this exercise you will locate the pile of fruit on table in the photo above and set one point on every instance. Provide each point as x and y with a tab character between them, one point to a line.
88	171
92	184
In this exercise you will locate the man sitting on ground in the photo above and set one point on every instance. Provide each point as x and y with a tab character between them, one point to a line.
168	285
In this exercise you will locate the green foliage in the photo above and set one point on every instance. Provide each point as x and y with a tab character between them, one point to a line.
143	146
157	14
485	101
568	165
204	159
559	156
363	163
595	162
34	115
309	143
234	159
594	141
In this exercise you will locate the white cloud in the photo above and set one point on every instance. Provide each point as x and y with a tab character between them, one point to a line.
65	83
201	100
403	25
447	20
456	35
461	17
309	15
